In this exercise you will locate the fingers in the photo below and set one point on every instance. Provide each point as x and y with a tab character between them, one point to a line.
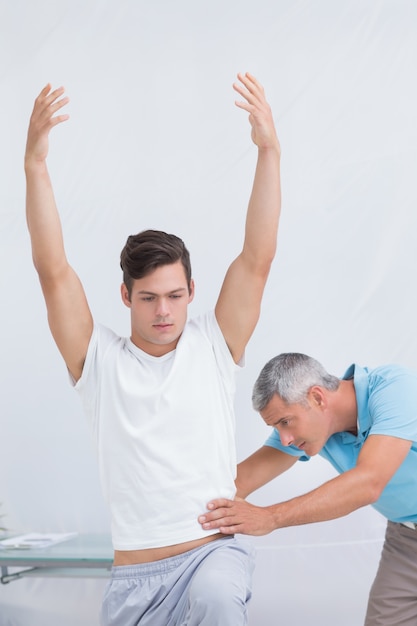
260	115
250	83
251	89
224	523
217	508
48	103
48	96
237	516
44	117
230	530
215	515
215	504
220	515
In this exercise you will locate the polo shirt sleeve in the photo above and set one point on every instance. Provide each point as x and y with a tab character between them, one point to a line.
392	403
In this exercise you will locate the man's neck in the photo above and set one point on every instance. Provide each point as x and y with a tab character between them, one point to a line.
347	407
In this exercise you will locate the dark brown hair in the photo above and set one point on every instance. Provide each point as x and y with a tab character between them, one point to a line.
150	249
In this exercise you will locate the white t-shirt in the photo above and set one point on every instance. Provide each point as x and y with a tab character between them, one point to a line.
164	429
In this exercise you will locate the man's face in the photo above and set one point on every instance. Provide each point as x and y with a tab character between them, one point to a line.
305	427
158	305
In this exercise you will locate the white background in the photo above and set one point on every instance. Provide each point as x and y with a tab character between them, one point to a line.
154	140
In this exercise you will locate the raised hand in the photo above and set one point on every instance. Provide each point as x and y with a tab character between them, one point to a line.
260	114
43	118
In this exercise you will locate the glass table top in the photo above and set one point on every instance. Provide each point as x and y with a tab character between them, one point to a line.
83	550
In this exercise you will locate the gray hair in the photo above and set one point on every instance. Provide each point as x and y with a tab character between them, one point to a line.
291	376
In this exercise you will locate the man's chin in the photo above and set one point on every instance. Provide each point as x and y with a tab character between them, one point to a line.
166	339
310	449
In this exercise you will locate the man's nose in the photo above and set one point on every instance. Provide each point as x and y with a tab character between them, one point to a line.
286	439
162	307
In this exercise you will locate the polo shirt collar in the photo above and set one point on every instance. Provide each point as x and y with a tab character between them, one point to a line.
361	383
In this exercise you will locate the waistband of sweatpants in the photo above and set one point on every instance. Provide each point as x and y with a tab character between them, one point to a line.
164	566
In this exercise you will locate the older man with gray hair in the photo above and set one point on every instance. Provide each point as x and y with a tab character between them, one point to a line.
365	425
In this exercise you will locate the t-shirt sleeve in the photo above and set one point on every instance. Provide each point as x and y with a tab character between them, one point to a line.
227	366
87	386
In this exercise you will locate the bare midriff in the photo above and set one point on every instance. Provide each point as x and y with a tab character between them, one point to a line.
133	557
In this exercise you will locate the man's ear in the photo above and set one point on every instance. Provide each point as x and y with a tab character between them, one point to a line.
192	291
124	292
317	396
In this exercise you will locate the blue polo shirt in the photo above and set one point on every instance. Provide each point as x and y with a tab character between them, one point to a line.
387	405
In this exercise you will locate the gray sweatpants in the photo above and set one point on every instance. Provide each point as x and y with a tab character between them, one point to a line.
393	596
207	586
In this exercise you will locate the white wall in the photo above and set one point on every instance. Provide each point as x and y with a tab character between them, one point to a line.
154	140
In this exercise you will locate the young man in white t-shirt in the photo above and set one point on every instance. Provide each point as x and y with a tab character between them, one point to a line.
160	403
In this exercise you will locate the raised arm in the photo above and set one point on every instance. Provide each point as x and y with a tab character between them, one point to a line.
69	316
238	306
